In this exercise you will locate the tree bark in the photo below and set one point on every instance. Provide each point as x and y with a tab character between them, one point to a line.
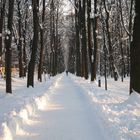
105	50
8	52
40	67
90	45
2	14
31	67
52	37
130	37
77	43
94	61
135	51
84	41
20	47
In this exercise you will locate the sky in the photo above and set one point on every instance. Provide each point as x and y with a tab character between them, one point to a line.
68	7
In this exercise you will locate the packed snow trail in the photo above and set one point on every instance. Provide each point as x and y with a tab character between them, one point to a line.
68	116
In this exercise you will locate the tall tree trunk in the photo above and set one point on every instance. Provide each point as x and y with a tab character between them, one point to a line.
20	49
8	52
94	61
56	42
105	61
129	47
40	67
135	51
77	43
24	59
122	61
2	14
31	67
84	40
130	37
120	36
77	26
105	50
24	46
90	45
52	37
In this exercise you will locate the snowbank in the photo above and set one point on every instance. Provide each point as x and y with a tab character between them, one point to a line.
18	108
14	120
118	112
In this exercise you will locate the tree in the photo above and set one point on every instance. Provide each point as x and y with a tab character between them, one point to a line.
52	37
24	40
135	51
8	41
2	14
31	66
40	67
77	40
20	40
130	35
83	39
94	54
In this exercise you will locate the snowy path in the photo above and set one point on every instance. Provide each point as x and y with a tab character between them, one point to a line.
68	116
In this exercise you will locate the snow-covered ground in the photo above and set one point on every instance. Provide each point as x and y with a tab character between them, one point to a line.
69	108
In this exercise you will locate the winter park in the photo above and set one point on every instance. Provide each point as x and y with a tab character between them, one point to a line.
69	70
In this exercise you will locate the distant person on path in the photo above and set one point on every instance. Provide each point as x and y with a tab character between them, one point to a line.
67	72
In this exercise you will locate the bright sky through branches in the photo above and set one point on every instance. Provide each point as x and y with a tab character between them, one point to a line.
68	7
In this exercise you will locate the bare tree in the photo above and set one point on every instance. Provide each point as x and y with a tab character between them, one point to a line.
94	54
84	39
135	51
8	52
77	43
2	14
20	40
40	67
31	66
